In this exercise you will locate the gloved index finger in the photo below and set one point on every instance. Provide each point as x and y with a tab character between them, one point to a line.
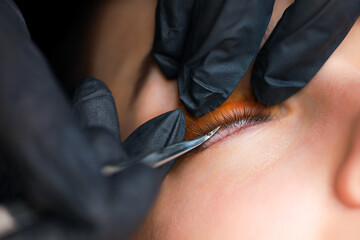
222	40
305	37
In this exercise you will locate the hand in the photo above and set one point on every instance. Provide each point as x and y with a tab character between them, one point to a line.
209	45
128	194
306	36
95	107
51	158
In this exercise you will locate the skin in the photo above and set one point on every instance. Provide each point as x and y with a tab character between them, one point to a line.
295	177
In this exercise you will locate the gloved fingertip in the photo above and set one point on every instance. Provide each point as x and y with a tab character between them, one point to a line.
167	65
176	119
204	90
164	130
199	106
90	87
270	91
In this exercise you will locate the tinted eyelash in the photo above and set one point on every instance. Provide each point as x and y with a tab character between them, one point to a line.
236	117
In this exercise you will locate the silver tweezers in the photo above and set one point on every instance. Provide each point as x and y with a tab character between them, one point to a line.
162	156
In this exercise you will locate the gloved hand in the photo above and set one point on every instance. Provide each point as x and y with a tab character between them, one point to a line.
95	107
129	193
306	36
52	160
209	45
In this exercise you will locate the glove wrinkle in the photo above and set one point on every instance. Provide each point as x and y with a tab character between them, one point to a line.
221	40
300	44
166	129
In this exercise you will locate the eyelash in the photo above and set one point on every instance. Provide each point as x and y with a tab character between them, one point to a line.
239	117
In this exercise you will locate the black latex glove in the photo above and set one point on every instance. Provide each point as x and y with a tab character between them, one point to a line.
209	45
52	160
129	193
305	37
95	107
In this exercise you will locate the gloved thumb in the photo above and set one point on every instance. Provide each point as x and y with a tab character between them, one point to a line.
94	104
166	129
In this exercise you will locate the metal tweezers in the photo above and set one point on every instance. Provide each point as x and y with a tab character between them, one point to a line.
162	156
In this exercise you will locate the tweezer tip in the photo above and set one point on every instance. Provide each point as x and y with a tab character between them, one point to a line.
210	134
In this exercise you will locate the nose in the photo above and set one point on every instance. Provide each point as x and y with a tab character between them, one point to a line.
348	184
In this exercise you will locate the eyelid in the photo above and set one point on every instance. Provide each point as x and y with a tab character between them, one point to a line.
228	115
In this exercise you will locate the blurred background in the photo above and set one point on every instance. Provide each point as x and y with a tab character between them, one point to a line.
58	29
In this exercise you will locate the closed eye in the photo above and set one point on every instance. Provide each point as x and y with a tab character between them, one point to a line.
230	115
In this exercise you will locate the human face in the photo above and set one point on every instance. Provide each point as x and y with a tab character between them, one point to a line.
274	180
295	176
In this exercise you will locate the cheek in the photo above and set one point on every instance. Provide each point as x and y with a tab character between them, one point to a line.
257	190
273	206
330	104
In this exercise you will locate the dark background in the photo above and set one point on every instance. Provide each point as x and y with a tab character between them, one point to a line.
57	28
